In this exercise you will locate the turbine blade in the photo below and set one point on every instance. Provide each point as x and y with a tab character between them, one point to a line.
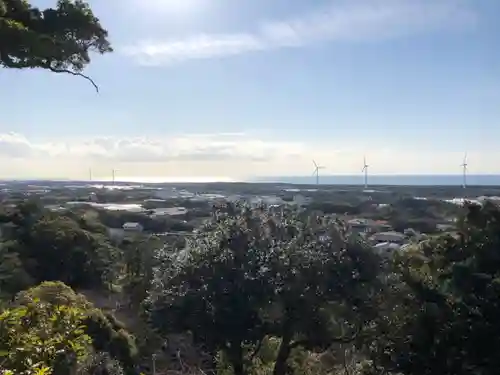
316	165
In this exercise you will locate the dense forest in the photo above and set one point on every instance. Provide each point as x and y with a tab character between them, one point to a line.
254	292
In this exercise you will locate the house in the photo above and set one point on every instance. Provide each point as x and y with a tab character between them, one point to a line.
133	227
445	227
392	237
272	200
368	225
171	211
360	225
386	248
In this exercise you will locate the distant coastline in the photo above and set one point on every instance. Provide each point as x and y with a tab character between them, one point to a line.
395	180
373	180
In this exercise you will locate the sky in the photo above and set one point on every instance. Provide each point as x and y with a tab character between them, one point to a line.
233	89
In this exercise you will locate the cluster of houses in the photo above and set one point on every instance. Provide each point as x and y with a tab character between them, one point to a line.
380	235
255	201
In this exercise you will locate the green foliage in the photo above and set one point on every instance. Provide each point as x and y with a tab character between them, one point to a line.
154	224
37	337
300	278
46	246
107	337
100	364
139	261
449	321
107	334
13	276
57	39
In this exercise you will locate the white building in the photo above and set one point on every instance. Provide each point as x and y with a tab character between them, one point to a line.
133	227
171	211
386	248
392	237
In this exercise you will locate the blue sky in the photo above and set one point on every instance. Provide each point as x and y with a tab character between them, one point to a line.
256	87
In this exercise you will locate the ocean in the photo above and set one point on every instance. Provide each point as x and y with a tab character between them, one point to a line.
373	180
401	180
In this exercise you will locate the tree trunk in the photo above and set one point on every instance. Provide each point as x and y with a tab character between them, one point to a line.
211	366
236	359
280	366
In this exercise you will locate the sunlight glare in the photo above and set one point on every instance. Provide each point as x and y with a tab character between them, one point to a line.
177	7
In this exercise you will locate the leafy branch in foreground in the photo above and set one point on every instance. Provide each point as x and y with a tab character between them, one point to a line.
58	39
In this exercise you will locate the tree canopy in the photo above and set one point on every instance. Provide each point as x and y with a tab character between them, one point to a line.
58	39
254	291
43	246
445	316
257	274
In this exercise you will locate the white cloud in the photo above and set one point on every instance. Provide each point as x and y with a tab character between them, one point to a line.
235	156
193	147
341	21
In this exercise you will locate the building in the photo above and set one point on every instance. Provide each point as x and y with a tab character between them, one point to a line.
391	237
171	211
368	225
133	227
386	248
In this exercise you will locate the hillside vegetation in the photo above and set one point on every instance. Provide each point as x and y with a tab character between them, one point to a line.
255	292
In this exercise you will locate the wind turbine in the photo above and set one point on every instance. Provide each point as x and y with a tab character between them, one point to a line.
90	174
113	173
365	169
464	171
316	171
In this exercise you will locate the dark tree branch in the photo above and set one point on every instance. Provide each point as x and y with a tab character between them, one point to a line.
257	349
55	70
335	340
346	367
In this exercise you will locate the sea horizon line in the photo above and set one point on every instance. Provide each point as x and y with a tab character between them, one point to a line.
483	179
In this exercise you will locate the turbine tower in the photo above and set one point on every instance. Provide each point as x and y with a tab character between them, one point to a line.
316	171
113	173
90	174
365	169
464	171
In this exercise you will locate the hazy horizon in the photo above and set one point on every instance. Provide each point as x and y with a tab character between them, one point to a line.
339	179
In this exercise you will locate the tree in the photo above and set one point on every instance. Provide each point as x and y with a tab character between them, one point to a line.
106	333
58	39
139	261
54	247
42	336
13	276
449	321
255	274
